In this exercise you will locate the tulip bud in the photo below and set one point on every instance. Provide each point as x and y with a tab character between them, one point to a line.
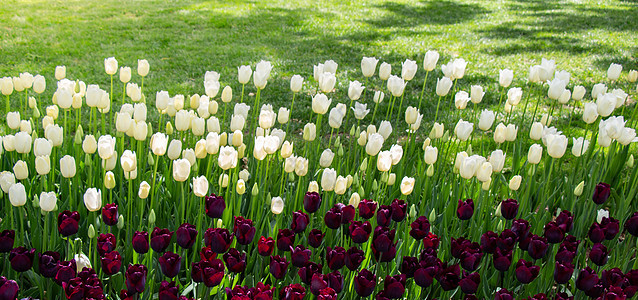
120	222
109	180
630	161
486	185
515	182
144	190
579	189
432	215
430	171
21	170
223	180
392	178
151	217
91	232
313	186
125	74
500	226
60	72
240	187
296	82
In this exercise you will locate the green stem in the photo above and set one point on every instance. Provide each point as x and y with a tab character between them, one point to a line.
423	88
436	115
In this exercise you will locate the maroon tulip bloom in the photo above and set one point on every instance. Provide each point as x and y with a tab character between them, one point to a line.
67	270
160	239
218	239
367	208
420	228
384	215
409	264
315	238
336	257
48	263
293	291
631	225
354	258
457	246
399	209
563	272
564	255
140	242
364	283
278	266
215	206
347	213
613	277
553	233
210	272
386	256
565	221
526	271
431	241
125	295
285	239
488	242
540	296
170	263
521	228
596	233
7	237
244	230
186	235
504	294
360	231
471	259
537	247
470	282
332	219
449	277
305	273
68	223
327	294
8	288
206	253
425	273
465	209
109	214
599	254
502	259
168	291
394	286
105	243
311	202
136	278
507	240
509	209
111	263
300	256
382	239
601	193
611	227
563	296
300	221
235	261
265	246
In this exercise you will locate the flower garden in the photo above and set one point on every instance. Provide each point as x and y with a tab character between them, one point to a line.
118	192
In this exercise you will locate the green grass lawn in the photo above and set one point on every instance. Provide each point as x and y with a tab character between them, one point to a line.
183	39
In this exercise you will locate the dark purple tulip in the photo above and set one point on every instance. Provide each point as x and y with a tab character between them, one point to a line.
300	256
278	266
235	260
394	286
335	281
470	282
458	246
563	296
565	221
424	275
384	215
111	263
564	255
305	273
613	277
48	263
367	208
364	283
332	219
347	213
136	278
160	239
537	247
206	253
105	243
465	209
8	289
502	259
382	239
218	239
244	230
420	228
540	296
431	241
186	235
399	209
632	276
68	223
140	242
601	193
285	239
126	295
109	214
336	257
563	272
315	237
526	271
215	206
596	233
631	225
509	209
360	231
599	254
615	293
300	221
611	227
470	297
587	279
7	237
553	233
170	263
354	258
409	265
507	240
504	294
521	228
488	242
385	256
596	291
311	202
66	271
293	291
471	259
265	246
327	294
168	291
318	283
211	272
449	277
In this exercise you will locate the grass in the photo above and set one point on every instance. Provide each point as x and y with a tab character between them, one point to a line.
183	39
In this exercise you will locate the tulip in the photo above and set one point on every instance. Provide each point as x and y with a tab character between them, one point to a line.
106	243
407	185
484	172
111	263
535	153
17	194
21	170
556	88
587	279
277	205
89	145
505	77
296	82
605	104
463	129
455	69
278	266
300	221
601	193
301	166
580	146
613	72
385	71
21	259
335	118
6	86
470	282
235	261
526	271
461	99
68	223
170	264
408	69
514	96
465	209
354	90
631	225
420	228
110	66
328	179
443	86
368	66
598	254
136	278
327	82
537	247
47	201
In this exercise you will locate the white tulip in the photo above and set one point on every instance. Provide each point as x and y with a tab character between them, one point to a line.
47	201
505	77
181	169
443	86
579	92
384	161
461	99
277	205
430	155
296	83
92	199
407	185
110	65
378	97
368	66
486	120
408	69
396	85
174	149
21	170
613	73
534	154
580	146
463	129
514	96
227	158
243	74
430	60
385	71
326	158
200	186
67	166
328	179
17	195
515	182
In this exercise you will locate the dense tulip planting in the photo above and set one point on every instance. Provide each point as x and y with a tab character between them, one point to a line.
122	193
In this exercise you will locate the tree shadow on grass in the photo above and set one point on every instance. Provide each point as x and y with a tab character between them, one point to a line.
428	12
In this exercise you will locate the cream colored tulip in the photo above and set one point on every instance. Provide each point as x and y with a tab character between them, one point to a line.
67	166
